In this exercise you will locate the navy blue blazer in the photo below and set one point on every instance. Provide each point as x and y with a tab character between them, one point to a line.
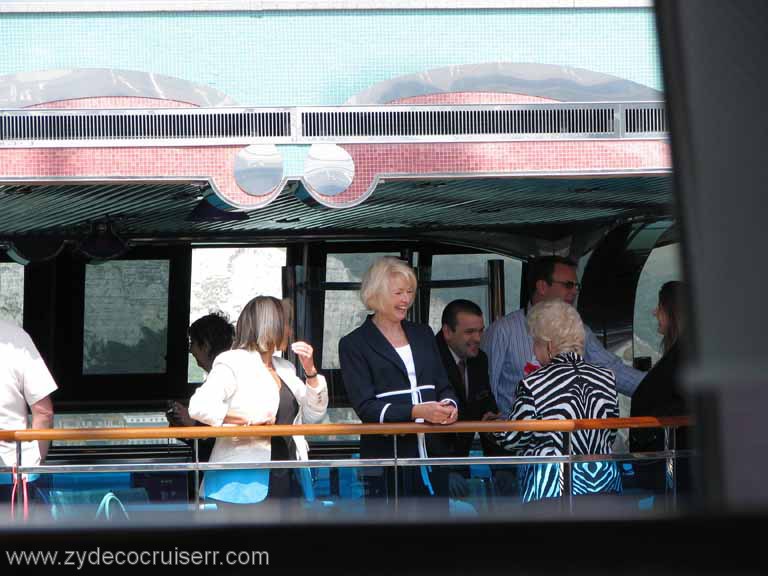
377	384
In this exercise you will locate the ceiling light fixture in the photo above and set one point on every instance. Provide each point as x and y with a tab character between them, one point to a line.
102	242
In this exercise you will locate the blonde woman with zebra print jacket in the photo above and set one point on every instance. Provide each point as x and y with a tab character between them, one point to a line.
565	387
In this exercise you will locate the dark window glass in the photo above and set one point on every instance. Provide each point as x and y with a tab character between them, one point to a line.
12	292
471	266
126	317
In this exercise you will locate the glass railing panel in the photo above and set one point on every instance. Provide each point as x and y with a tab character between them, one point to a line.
511	489
76	497
147	484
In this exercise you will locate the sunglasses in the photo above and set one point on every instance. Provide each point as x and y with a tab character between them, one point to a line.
568	284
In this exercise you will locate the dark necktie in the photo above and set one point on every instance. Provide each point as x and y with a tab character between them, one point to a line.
462	364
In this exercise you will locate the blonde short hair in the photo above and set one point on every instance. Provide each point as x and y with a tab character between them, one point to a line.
375	284
557	322
261	325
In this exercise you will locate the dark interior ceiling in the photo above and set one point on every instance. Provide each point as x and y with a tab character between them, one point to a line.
545	209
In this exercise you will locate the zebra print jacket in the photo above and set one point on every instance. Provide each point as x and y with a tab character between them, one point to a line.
567	388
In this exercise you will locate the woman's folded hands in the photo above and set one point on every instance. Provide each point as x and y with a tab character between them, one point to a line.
435	412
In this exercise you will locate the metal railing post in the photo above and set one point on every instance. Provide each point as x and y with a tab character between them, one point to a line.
670	472
568	473
197	475
19	482
394	446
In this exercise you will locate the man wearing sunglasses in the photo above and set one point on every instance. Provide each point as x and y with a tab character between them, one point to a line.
510	348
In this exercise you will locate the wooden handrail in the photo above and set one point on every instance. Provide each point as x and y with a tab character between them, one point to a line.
342	429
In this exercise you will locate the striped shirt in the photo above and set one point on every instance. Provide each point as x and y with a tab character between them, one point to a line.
509	347
567	388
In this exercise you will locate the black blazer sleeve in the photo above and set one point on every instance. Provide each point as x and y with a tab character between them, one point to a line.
360	375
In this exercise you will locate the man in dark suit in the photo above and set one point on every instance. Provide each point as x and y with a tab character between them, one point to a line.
467	366
458	342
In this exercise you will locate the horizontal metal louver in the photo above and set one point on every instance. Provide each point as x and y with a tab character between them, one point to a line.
435	122
340	124
145	125
645	120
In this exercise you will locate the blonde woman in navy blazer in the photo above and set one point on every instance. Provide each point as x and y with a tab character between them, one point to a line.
393	372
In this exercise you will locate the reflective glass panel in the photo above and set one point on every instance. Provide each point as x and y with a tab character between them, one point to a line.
343	313
663	265
126	317
12	292
350	267
225	279
466	266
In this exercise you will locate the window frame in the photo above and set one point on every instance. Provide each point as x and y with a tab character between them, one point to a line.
121	392
420	251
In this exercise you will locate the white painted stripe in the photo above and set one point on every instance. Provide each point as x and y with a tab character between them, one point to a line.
383	411
405	391
64	6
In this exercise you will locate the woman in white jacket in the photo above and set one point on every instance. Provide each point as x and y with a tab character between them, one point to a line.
250	385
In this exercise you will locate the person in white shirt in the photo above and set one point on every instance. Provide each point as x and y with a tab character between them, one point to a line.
209	336
25	386
250	385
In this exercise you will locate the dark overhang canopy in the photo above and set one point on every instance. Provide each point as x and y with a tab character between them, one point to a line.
543	209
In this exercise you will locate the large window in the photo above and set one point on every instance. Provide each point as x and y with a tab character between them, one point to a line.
120	325
343	309
125	326
225	279
458	267
452	276
662	265
351	267
12	292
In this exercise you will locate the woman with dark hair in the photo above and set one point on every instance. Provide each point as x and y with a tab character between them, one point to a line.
209	336
660	394
251	385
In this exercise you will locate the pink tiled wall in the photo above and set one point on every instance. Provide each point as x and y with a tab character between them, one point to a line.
473	159
213	162
371	160
113	102
206	162
463	98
